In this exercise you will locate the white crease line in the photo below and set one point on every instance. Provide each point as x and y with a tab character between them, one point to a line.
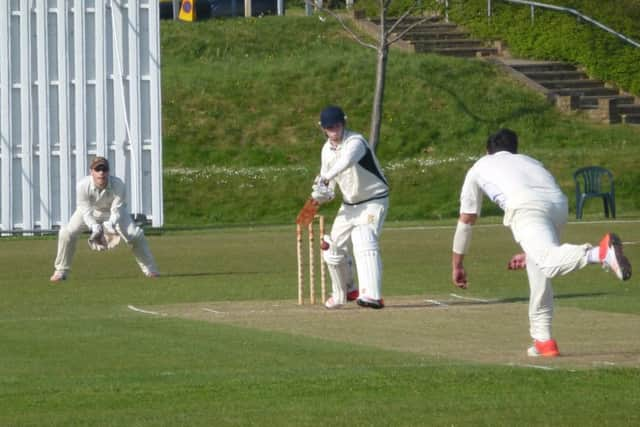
213	311
139	310
436	302
544	368
486	301
605	363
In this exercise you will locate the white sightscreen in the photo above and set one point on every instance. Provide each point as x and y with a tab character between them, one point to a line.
78	78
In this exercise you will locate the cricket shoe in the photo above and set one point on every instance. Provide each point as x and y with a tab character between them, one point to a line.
612	258
370	302
331	304
548	348
353	295
58	276
152	274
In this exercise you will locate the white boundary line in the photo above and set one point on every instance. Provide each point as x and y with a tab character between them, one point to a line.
500	225
139	310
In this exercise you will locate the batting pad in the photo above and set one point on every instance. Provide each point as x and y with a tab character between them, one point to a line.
368	261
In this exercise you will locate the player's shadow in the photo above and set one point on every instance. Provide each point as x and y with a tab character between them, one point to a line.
475	302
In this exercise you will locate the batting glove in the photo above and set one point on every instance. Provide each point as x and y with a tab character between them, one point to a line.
322	193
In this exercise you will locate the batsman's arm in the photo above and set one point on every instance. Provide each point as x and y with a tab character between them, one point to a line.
354	150
461	242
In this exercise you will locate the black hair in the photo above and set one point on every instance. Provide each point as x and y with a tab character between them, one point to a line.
503	140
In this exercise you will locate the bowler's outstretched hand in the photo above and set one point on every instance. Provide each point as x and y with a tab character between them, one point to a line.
459	276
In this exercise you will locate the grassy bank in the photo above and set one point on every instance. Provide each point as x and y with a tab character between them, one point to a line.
240	107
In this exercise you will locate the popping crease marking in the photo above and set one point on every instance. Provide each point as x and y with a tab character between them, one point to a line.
139	310
213	311
436	302
486	301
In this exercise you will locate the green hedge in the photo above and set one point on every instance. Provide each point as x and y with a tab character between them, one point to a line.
561	36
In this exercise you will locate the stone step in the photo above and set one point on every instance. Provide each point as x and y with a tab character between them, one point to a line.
441	26
629	108
587	91
534	67
430	45
556	75
409	19
570	84
435	35
466	52
587	102
632	119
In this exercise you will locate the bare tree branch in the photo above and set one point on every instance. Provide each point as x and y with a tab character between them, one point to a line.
406	30
402	18
351	33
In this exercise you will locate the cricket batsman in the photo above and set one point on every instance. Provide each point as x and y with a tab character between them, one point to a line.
536	210
101	209
349	162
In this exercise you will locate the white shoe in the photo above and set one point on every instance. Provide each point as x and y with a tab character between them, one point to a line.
152	274
58	276
331	304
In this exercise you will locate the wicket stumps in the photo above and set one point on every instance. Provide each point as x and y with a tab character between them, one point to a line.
311	262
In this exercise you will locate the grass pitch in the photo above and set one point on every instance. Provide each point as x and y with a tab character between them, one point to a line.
75	354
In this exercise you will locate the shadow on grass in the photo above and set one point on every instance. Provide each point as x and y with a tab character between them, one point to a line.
217	273
463	301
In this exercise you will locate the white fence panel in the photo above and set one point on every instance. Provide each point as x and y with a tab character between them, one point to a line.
78	78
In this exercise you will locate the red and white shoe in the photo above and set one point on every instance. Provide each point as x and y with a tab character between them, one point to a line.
548	348
58	276
612	258
352	295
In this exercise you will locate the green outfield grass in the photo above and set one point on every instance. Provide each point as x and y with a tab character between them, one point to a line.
74	354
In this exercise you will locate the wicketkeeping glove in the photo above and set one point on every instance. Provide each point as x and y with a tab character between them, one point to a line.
109	227
96	232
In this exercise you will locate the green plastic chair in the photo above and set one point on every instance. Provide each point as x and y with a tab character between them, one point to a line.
595	181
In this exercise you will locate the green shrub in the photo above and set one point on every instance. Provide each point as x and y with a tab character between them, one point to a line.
560	36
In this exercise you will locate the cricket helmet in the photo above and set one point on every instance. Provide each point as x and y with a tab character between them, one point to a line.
332	115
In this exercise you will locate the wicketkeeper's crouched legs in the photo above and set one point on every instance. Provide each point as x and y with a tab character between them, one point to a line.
134	236
67	238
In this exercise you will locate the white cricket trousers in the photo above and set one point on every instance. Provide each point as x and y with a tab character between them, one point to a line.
537	230
69	233
362	225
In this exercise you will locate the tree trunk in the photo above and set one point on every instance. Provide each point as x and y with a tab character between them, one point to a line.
378	97
381	71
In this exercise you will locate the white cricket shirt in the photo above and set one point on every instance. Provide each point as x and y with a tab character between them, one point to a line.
512	181
96	203
353	166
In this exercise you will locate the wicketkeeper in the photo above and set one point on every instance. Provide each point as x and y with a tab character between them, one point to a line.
101	209
536	210
349	162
